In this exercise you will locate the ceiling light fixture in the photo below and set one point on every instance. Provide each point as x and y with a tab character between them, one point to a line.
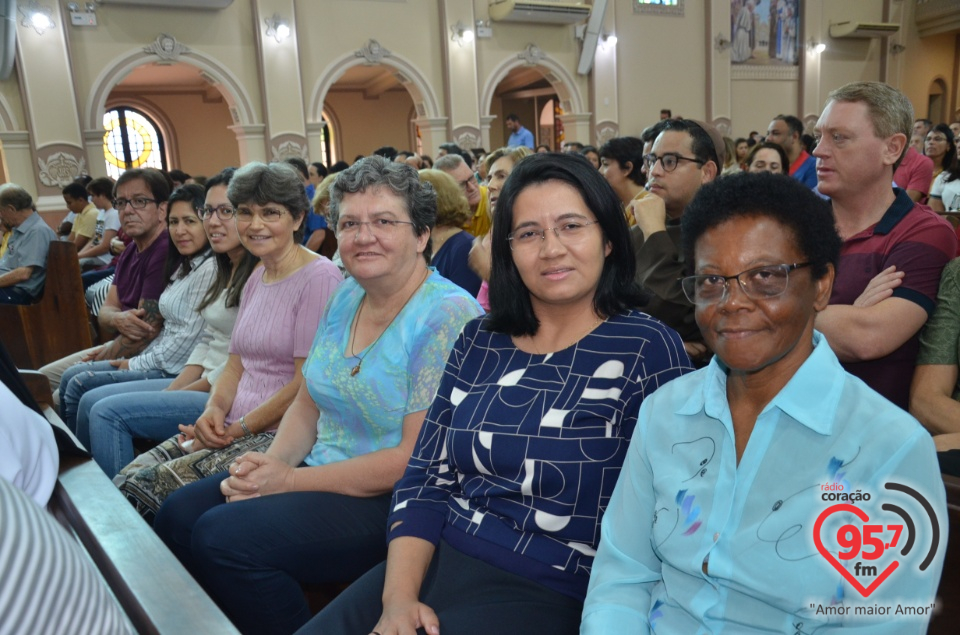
277	28
36	16
460	34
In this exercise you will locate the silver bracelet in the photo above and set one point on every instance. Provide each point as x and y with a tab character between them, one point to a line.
243	426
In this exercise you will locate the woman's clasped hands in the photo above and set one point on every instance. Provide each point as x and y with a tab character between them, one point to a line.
255	474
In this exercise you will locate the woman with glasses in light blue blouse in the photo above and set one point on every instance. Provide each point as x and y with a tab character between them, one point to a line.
723	519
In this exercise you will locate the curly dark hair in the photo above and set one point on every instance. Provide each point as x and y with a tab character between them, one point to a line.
762	194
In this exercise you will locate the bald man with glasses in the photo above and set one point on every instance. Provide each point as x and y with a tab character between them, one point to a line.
685	156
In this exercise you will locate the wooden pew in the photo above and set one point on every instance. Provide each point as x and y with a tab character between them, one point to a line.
57	325
947	620
154	590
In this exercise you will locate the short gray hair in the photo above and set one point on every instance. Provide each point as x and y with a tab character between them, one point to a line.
449	162
403	181
262	183
890	110
15	196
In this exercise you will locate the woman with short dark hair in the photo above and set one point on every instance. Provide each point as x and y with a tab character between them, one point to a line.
495	521
279	312
621	164
722	519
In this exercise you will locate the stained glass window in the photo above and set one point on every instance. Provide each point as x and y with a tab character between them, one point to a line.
131	140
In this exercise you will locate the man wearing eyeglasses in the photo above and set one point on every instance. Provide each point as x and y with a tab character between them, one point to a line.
894	250
685	156
455	166
131	312
23	267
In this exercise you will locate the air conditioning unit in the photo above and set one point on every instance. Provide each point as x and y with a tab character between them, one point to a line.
173	4
862	29
538	11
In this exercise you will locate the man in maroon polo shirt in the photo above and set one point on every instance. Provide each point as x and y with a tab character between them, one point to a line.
131	312
862	137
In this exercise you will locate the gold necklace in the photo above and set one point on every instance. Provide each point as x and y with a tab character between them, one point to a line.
572	342
356	326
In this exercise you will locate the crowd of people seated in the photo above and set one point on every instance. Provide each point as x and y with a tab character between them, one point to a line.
595	390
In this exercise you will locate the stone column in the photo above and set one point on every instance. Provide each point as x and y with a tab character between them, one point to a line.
57	154
281	86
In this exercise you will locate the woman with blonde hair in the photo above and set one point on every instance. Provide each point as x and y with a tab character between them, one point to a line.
451	245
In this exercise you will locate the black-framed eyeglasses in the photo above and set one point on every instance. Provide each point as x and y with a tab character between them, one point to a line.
223	212
669	161
567	233
378	227
139	202
759	283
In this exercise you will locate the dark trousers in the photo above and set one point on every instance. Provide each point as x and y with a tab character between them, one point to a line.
13	295
469	596
90	278
252	555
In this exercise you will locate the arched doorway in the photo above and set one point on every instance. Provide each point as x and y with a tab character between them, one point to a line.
542	75
193	117
525	92
373	110
382	65
177	69
937	101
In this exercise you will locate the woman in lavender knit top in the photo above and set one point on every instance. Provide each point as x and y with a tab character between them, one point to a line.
279	312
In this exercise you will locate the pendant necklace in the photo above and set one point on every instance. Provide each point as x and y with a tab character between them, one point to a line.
356	369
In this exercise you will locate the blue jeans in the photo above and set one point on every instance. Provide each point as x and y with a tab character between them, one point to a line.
120	413
81	378
252	555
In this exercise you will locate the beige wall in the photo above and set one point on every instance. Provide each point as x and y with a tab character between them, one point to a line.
367	124
661	64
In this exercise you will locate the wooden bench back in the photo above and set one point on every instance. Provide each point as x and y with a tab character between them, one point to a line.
56	326
947	621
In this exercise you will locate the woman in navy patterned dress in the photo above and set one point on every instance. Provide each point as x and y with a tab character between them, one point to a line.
495	523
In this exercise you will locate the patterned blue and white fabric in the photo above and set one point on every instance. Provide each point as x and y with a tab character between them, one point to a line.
520	452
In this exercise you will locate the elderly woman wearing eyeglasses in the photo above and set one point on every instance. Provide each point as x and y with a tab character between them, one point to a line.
154	408
494	524
313	508
279	311
722	519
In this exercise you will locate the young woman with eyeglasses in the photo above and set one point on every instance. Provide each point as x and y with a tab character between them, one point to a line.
279	311
313	508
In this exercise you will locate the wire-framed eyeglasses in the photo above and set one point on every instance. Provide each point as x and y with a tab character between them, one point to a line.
759	283
567	233
378	226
